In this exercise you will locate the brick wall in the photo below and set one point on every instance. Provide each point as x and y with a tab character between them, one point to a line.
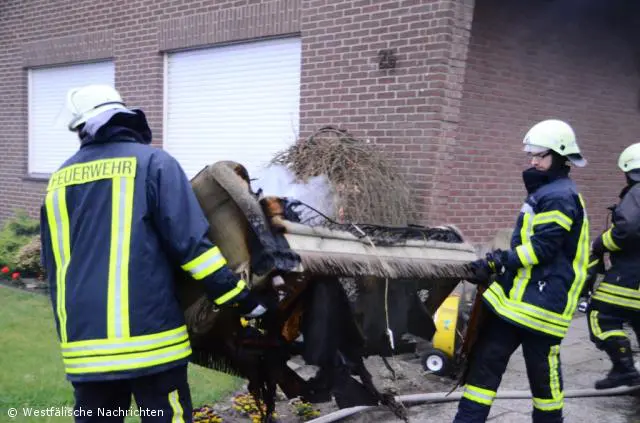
466	86
531	60
134	33
408	110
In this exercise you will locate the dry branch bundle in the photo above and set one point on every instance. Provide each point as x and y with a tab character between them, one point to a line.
368	187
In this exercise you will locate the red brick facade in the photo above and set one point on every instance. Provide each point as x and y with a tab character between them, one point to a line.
470	77
531	60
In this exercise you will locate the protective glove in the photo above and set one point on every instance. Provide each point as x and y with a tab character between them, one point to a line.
481	273
250	306
258	311
497	261
483	269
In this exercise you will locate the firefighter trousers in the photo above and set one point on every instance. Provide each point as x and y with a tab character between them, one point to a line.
497	341
607	325
160	398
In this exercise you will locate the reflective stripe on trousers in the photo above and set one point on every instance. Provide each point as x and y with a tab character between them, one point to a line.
479	395
497	341
611	328
176	408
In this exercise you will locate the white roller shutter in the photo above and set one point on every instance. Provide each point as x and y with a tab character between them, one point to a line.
236	102
50	143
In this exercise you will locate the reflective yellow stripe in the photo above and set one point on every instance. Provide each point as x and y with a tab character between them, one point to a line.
593	263
556	401
529	315
579	265
121	172
609	243
205	264
555	216
524	273
548	404
479	395
208	263
118	282
96	170
523	319
530	309
211	268
615	300
155	336
229	295
176	408
526	314
58	219
554	376
619	290
527	255
96	347
119	362
597	330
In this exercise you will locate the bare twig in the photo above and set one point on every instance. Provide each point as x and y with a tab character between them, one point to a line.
369	188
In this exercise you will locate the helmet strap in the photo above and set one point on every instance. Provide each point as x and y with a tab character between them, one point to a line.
633	176
559	162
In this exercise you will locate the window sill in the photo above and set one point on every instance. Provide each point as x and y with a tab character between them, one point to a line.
36	177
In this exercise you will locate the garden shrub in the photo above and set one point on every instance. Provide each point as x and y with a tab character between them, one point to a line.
16	233
28	258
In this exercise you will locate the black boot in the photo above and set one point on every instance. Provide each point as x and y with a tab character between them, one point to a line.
623	371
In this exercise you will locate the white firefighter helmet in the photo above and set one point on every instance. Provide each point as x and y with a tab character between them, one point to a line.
556	135
630	158
88	101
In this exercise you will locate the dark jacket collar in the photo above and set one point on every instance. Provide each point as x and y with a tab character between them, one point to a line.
116	126
534	179
631	181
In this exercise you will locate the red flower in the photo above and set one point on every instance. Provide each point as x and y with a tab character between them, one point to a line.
5	269
15	276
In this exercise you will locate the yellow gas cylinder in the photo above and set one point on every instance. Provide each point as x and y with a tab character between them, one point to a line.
446	319
437	360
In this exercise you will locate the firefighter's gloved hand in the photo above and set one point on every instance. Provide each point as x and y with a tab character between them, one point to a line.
484	268
481	273
250	306
256	312
497	260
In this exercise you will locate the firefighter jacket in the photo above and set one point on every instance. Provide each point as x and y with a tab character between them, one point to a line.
621	284
119	219
547	263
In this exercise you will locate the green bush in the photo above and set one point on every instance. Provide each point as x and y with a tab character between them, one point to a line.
16	233
28	259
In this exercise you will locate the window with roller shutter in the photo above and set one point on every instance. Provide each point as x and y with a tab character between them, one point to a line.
235	102
50	142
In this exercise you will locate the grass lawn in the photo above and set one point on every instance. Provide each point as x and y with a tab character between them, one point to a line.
32	374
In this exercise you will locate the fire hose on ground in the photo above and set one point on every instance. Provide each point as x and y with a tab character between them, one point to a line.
440	397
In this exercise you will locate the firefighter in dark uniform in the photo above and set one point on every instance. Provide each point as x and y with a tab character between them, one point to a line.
118	220
537	282
616	300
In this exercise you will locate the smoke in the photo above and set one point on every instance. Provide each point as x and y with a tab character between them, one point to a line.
279	181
